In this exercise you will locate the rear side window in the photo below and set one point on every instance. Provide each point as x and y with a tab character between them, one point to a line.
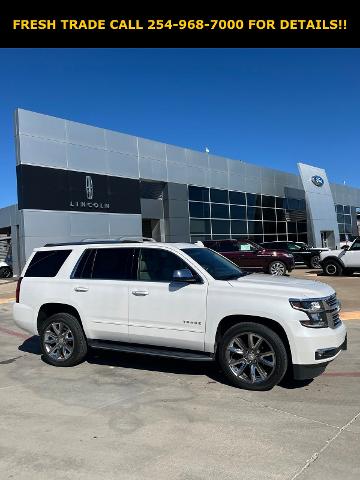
107	264
47	264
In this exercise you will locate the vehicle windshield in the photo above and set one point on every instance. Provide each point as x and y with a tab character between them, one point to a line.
217	266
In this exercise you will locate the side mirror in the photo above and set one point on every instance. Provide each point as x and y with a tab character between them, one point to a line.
345	247
183	275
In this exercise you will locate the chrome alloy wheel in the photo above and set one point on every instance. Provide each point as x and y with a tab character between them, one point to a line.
330	269
250	357
277	268
59	341
315	262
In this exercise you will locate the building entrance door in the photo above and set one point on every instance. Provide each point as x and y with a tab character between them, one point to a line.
327	239
151	228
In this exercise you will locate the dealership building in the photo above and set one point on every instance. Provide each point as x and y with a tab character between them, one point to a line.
76	182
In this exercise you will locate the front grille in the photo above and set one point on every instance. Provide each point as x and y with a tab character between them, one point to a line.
331	301
332	313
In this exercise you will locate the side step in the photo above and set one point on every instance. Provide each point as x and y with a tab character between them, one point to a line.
151	350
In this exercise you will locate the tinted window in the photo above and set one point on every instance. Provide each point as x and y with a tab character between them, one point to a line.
199	193
346	209
47	263
237	212
113	264
255	227
217	266
238	226
237	197
268	201
199	226
219	211
339	208
247	247
280	202
254	213
253	200
219	196
157	265
356	245
199	209
226	247
269	227
269	214
85	265
220	226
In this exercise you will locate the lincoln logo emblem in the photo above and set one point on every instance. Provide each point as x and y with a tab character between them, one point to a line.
89	188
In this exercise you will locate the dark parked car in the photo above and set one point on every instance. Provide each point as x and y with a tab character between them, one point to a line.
302	253
251	256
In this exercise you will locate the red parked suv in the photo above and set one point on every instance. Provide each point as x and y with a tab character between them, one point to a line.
251	256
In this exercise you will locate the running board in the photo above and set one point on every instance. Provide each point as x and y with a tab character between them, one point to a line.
151	350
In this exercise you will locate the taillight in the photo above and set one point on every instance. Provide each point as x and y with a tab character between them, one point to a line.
18	289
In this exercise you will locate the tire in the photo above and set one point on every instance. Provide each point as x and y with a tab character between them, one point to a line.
315	262
277	268
6	272
64	330
250	372
332	268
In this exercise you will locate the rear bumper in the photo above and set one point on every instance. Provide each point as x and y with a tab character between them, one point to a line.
24	318
306	372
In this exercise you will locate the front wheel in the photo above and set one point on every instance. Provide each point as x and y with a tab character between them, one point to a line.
277	268
62	340
252	356
332	268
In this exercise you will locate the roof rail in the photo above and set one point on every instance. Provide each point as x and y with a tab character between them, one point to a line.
89	241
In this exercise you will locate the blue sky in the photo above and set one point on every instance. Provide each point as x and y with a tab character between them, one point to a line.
272	107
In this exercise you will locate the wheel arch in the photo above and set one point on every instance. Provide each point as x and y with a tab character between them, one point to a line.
333	258
231	320
48	309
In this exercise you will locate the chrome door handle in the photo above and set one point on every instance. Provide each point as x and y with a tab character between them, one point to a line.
140	293
81	289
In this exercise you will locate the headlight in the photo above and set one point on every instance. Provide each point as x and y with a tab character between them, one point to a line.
315	311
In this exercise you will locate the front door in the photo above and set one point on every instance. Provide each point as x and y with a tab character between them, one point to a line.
351	258
163	312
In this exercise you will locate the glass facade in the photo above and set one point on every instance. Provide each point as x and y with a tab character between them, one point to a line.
216	214
344	219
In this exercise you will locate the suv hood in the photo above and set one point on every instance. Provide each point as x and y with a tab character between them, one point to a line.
283	286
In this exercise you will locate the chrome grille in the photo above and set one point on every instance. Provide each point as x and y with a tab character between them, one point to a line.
332	312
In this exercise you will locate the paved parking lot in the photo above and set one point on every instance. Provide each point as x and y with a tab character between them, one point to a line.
132	417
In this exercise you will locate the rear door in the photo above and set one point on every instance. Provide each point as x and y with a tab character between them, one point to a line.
163	312
100	289
248	257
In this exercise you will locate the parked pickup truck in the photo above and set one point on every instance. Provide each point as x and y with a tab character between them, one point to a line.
177	300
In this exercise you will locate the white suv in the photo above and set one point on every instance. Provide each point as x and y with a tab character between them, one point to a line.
177	300
346	260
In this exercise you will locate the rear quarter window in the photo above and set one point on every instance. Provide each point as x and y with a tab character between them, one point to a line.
47	263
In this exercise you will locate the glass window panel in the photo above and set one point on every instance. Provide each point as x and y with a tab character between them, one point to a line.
199	209
282	238
348	228
221	237
280	215
238	227
292	237
339	208
281	227
280	202
198	193
347	219
291	227
292	204
340	218
255	227
302	227
253	200
200	238
157	265
114	264
270	227
198	227
269	214
268	201
219	211
341	228
237	197
347	209
257	238
220	227
237	211
254	213
270	238
219	196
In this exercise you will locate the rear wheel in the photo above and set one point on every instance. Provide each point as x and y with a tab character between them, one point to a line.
277	268
252	356
332	268
315	261
63	343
